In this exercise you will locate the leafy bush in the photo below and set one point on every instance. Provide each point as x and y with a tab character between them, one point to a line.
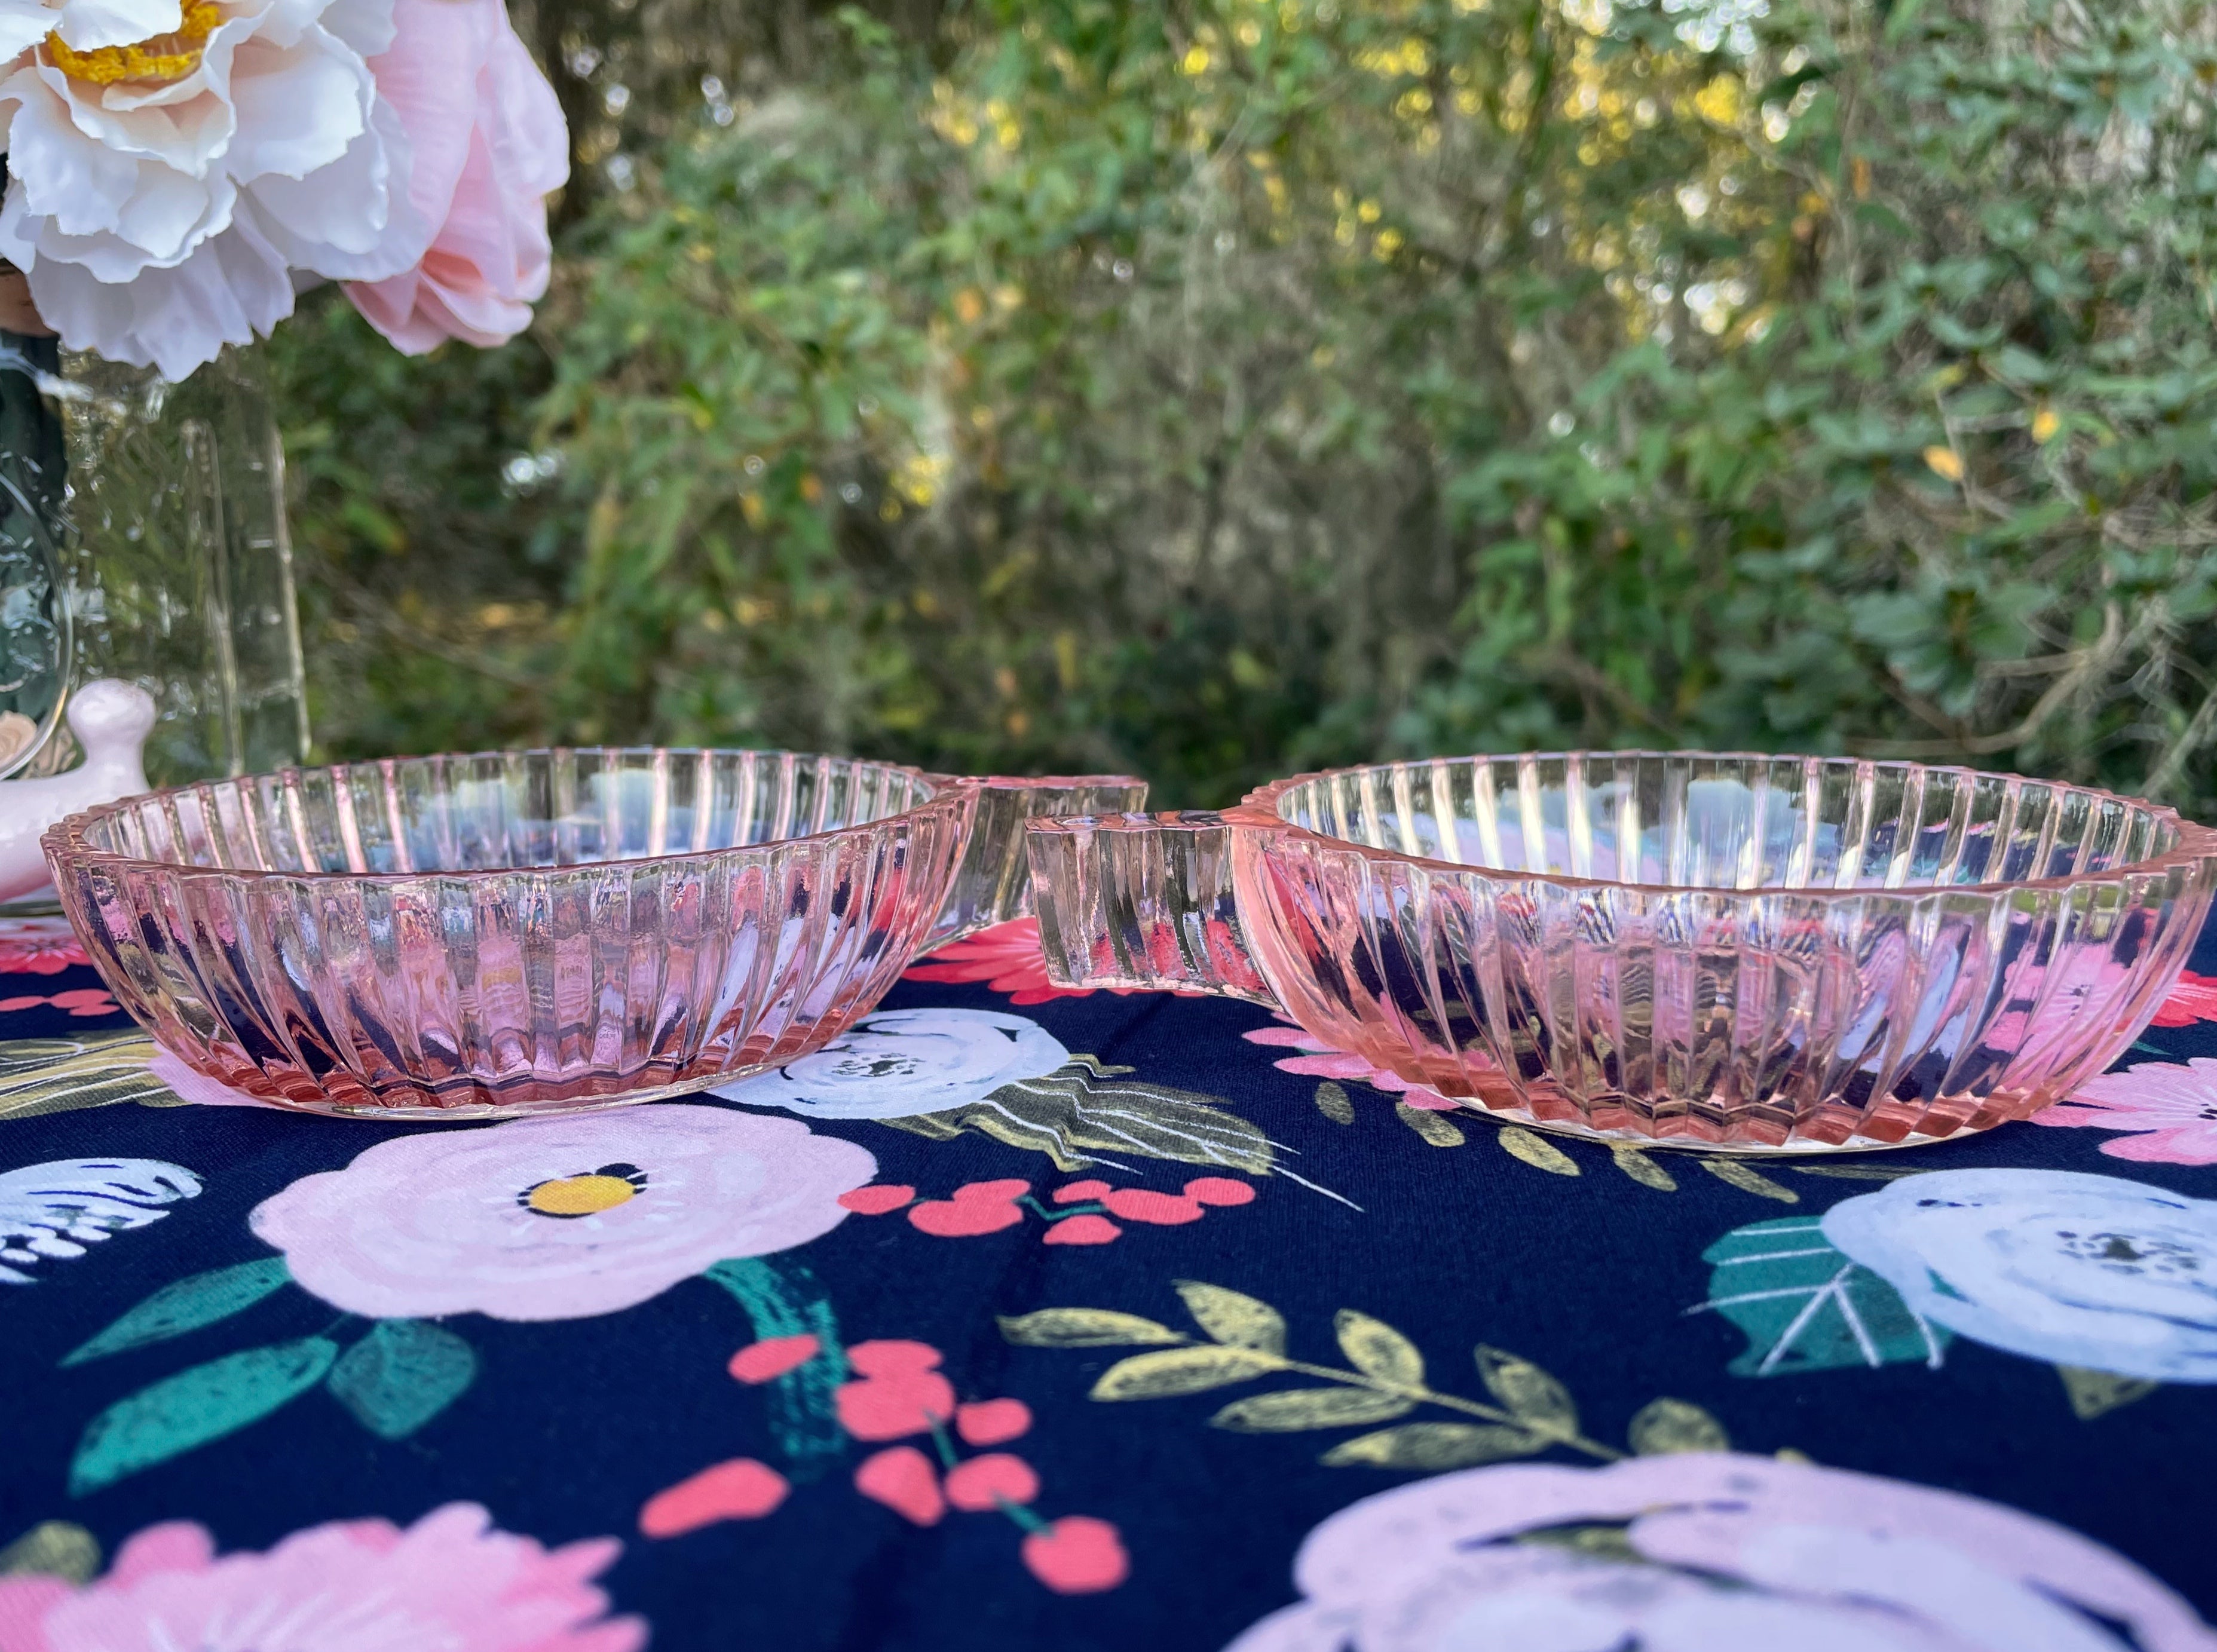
1222	389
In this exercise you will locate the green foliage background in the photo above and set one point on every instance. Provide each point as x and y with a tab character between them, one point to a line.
1219	389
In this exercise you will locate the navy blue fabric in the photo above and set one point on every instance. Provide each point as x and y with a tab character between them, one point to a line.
571	1426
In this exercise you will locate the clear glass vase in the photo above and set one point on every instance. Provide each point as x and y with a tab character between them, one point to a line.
143	536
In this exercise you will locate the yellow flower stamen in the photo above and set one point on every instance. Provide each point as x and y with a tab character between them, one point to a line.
579	1195
157	60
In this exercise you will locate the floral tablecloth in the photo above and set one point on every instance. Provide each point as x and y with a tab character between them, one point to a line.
1027	1319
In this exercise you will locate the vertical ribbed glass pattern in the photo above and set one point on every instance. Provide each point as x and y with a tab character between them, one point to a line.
1755	952
510	932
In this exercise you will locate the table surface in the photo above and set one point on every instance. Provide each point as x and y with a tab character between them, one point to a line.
1028	1320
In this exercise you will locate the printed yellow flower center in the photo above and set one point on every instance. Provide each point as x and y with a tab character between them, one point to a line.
579	1195
157	60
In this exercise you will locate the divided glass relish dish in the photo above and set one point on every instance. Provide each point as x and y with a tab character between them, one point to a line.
1727	953
482	936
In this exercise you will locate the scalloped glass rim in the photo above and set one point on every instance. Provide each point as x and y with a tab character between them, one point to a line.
1263	808
72	834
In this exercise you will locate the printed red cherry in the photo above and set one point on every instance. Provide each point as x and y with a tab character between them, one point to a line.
1142	1204
741	1489
899	1392
771	1358
975	1207
1219	1190
983	1483
877	1198
1083	1230
902	1478
992	1422
891	1356
1078	1555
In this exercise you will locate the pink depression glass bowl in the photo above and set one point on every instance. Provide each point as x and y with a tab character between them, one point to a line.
482	936
1741	953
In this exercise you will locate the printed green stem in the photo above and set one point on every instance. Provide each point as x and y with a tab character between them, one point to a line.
939	1442
1023	1516
1419	1392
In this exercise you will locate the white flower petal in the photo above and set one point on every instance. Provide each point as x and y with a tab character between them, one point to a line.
351	221
87	25
185	126
365	25
63	174
22	25
233	287
299	108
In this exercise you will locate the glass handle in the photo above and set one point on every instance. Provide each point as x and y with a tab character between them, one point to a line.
994	885
1143	900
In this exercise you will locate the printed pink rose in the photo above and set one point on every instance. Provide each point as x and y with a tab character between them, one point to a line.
38	946
560	1217
452	1579
488	143
1007	958
2194	999
2173	1106
1710	1552
1319	1060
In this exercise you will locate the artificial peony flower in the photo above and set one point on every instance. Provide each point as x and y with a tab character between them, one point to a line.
451	1580
488	143
172	168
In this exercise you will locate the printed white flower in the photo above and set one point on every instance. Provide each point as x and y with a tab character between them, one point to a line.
558	1218
164	184
56	1210
1709	1553
2089	1271
899	1062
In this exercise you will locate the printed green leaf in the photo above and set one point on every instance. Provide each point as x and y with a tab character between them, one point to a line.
1076	1115
781	1297
1806	1307
1641	1168
1536	1151
95	1070
1539	1401
53	1548
1748	1179
197	1300
1435	1127
1331	1101
1376	1349
402	1375
1083	1328
1182	1370
1663	1426
1434	1446
1295	1408
2093	1393
1227	1317
196	1406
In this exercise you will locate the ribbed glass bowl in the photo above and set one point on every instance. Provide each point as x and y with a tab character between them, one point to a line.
1743	953
515	932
